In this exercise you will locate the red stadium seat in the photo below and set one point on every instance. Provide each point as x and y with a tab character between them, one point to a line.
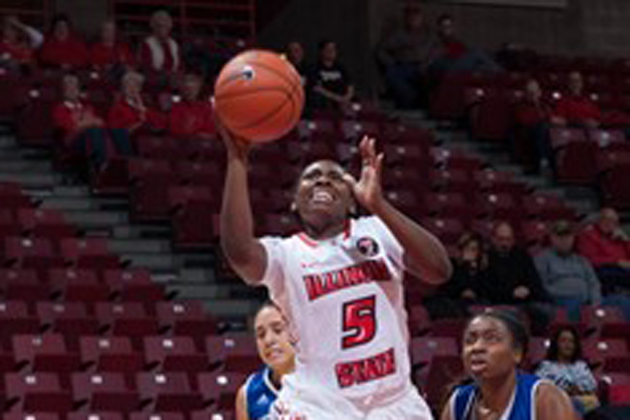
31	416
45	223
110	354
15	319
176	354
172	415
614	188
69	319
219	389
38	107
88	253
187	318
425	349
234	353
167	392
104	391
45	353
38	392
129	318
96	415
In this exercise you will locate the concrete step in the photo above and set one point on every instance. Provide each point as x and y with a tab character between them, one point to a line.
147	246
84	203
26	166
197	275
141	232
31	180
204	292
92	219
158	263
232	308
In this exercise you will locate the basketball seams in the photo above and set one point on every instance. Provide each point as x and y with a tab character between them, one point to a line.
281	89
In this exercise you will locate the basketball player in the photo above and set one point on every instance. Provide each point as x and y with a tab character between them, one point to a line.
255	398
494	345
339	284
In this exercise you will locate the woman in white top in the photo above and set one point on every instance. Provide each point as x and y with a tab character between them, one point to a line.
565	367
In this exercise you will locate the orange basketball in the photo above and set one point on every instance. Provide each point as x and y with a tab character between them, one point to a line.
259	96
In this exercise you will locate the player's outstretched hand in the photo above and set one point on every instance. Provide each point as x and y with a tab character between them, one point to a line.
368	190
236	147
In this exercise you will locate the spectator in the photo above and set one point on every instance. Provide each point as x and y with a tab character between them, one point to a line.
575	108
469	282
295	55
62	48
568	278
110	53
192	117
331	86
405	56
130	112
454	55
517	278
566	368
607	247
80	129
532	117
160	53
18	42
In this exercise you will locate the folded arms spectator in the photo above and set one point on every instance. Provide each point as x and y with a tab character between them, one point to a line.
130	111
192	116
80	129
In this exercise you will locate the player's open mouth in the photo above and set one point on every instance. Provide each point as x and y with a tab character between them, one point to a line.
274	354
321	196
477	365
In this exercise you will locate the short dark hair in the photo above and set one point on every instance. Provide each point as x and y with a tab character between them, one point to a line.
443	17
59	18
552	351
516	327
323	43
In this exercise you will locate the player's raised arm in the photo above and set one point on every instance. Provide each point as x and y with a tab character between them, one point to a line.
425	256
552	403
242	249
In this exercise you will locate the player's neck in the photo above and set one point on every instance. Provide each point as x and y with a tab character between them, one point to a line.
496	394
325	230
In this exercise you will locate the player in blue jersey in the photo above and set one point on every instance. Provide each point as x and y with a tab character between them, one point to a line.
494	345
256	396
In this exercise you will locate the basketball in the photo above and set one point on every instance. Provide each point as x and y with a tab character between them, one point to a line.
259	96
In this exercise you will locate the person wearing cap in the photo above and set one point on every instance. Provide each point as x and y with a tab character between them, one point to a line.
568	277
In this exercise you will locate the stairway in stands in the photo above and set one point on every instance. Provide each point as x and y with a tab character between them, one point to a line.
449	134
189	275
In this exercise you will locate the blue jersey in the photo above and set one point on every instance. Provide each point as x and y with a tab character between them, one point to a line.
260	394
522	405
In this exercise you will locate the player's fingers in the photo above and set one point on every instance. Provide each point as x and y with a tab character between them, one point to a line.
379	166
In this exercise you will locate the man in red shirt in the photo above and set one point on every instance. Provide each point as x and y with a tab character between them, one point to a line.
130	112
61	48
160	53
191	118
109	52
607	247
575	108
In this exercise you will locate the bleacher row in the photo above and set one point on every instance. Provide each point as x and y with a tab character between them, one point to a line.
598	158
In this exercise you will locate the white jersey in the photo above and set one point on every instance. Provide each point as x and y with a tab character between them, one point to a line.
343	298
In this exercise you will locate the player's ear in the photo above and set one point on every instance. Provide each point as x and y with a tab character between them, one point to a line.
518	356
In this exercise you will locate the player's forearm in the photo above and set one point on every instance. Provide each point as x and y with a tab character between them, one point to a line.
237	226
425	256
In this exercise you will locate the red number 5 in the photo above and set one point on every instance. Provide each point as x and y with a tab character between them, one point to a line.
359	322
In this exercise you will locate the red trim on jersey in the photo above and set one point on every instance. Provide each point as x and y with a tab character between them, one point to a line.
347	230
